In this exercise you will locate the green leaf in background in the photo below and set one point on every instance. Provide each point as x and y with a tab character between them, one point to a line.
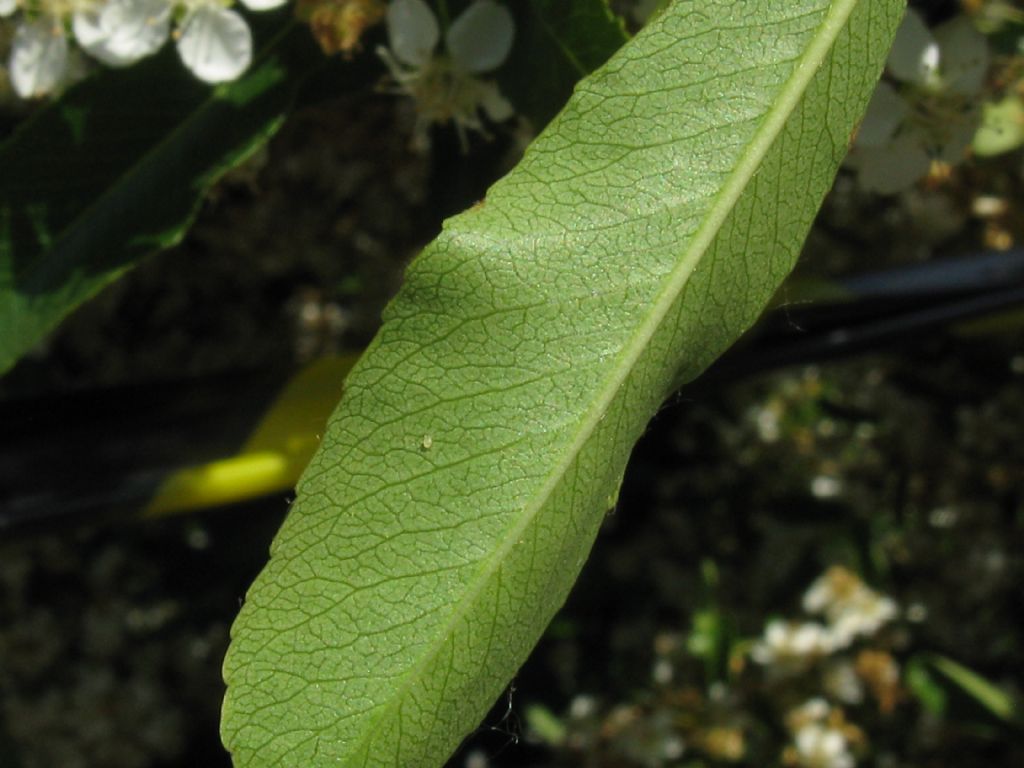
115	170
484	433
986	694
557	43
920	680
1002	127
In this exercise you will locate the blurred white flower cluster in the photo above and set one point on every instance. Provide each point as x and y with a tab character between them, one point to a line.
821	737
851	610
446	84
792	645
213	40
929	108
851	607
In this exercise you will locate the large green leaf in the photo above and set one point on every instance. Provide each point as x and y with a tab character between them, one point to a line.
116	168
484	433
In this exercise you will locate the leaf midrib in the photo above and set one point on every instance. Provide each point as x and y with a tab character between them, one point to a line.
774	122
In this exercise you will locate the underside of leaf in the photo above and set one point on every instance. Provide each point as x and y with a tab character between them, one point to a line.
484	433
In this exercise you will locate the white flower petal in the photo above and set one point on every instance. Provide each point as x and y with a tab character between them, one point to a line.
891	169
124	31
7	7
39	57
915	54
481	38
215	44
497	108
964	56
957	140
89	31
263	5
137	28
840	679
812	710
412	31
886	111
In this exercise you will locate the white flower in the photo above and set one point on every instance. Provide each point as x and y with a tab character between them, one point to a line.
792	645
446	86
885	114
914	57
954	58
263	5
481	38
38	61
826	486
894	166
840	680
121	32
811	711
830	589
931	116
818	746
862	617
819	739
851	607
412	31
215	43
